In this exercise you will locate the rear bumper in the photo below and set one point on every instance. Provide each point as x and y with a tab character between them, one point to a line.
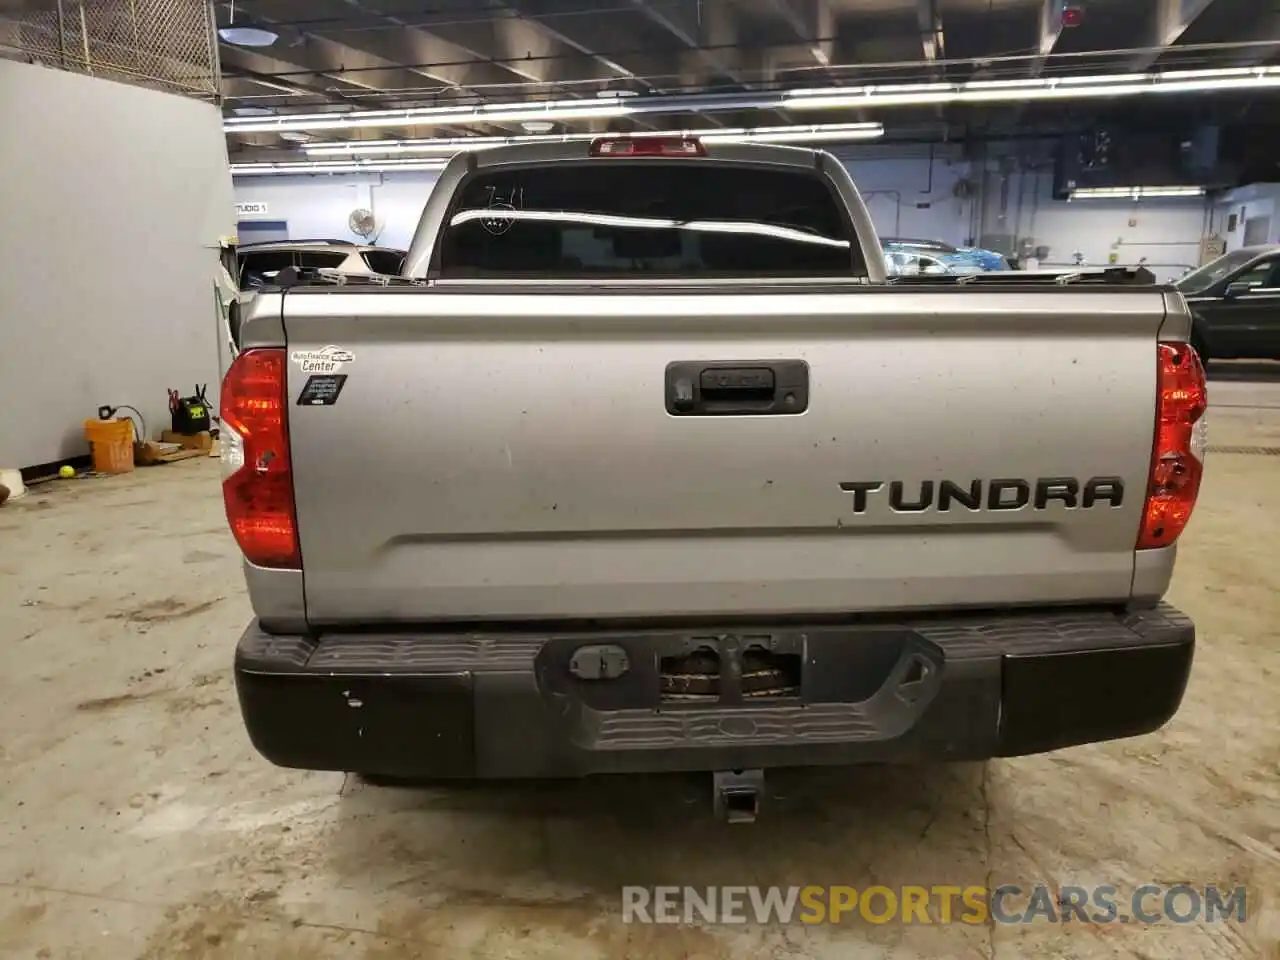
525	704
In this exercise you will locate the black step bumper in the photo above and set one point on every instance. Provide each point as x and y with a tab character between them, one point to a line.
510	705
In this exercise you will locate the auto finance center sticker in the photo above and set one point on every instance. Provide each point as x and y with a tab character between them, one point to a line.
325	360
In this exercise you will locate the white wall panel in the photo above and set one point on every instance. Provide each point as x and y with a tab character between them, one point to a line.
115	199
318	207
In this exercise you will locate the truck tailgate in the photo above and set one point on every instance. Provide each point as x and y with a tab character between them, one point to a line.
506	456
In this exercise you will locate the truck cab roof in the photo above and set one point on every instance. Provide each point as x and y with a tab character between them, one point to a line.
580	150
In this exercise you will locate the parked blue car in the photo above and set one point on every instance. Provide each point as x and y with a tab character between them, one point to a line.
986	259
956	259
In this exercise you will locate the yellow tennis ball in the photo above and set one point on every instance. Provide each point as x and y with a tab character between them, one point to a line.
67	471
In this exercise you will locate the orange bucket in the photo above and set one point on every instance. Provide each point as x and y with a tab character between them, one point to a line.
111	442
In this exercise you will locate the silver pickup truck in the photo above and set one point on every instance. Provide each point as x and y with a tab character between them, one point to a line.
645	466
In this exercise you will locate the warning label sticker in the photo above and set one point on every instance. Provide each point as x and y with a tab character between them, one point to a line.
322	390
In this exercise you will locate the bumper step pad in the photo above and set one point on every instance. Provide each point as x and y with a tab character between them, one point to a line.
519	704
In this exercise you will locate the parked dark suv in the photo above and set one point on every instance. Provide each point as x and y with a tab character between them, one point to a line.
1235	302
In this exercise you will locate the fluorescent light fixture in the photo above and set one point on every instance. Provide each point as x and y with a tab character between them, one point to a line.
333	166
349	157
1102	78
447	146
1134	193
520	113
1210	74
487	113
248	36
816	133
821	98
1034	88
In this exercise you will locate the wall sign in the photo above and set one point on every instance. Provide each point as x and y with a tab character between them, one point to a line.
251	209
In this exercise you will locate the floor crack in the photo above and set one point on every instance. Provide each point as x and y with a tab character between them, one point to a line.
986	837
82	894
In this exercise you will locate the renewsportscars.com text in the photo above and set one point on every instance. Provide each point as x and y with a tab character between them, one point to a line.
940	903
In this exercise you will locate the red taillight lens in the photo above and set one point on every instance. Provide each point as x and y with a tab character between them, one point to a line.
648	147
258	488
1176	460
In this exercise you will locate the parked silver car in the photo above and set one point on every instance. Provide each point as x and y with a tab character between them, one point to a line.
903	263
260	263
912	263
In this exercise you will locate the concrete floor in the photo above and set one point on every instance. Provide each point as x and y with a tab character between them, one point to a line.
137	821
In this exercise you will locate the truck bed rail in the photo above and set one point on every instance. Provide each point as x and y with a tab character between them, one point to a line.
1090	277
326	276
1096	276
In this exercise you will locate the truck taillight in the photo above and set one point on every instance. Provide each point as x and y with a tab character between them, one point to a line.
257	484
1178	454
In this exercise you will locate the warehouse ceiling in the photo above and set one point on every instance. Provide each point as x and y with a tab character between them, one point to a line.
389	52
350	55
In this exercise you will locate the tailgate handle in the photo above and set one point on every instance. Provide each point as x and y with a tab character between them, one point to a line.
700	388
738	383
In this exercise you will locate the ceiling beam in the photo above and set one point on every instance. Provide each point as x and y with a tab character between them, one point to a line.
234	60
932	42
613	66
502	43
1172	19
680	18
405	50
283	85
1267	28
583	32
527	49
1050	30
369	70
812	22
694	22
304	69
